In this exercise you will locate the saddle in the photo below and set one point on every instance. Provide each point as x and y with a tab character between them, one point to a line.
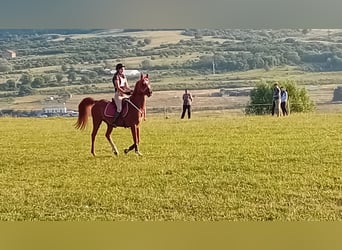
111	108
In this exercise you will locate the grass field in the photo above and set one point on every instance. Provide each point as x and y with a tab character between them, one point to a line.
213	167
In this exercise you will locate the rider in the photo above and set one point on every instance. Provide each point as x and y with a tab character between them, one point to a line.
121	89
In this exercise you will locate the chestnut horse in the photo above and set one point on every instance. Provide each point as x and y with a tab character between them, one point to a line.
136	108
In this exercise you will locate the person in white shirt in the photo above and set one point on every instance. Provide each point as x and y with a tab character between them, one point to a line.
121	88
284	97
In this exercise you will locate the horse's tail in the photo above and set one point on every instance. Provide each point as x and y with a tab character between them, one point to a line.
83	112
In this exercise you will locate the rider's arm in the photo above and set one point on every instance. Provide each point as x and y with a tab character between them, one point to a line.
127	86
127	89
117	85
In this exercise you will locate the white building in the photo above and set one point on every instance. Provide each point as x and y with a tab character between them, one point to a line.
128	72
55	110
8	54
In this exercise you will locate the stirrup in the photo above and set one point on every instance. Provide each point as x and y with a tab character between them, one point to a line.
114	123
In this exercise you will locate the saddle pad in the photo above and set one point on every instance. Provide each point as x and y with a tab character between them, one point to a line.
111	108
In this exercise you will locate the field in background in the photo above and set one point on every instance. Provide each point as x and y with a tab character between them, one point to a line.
213	167
320	87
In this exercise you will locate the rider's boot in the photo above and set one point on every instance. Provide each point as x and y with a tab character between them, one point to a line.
116	116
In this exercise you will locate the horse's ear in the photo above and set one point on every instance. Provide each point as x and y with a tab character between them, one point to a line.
141	76
146	75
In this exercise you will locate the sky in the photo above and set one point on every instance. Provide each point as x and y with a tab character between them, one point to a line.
170	14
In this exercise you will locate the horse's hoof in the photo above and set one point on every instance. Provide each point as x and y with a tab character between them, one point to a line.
115	153
126	150
138	153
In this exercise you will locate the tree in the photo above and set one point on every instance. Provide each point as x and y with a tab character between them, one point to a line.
85	79
205	61
26	79
25	90
5	66
72	76
292	56
47	78
64	68
59	77
337	94
37	82
146	64
260	63
91	74
299	99
305	31
11	85
147	41
261	98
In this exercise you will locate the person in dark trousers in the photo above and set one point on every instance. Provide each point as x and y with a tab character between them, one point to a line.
276	100
187	99
284	98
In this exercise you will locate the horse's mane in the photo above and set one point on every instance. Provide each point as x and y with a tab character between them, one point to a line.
138	83
136	86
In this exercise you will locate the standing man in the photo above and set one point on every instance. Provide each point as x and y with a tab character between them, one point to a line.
284	97
187	99
121	89
276	100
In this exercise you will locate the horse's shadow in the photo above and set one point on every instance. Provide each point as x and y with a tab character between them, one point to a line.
107	156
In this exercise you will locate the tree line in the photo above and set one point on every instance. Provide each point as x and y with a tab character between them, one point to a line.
239	50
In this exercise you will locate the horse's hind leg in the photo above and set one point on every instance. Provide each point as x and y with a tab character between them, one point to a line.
136	139
96	125
135	147
126	150
109	138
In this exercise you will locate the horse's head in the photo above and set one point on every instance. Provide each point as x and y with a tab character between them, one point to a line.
143	87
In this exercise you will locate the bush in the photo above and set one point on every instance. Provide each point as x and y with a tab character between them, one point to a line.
299	100
5	67
337	94
261	98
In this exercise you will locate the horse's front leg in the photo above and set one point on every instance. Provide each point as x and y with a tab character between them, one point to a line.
109	138
138	141
138	135
135	135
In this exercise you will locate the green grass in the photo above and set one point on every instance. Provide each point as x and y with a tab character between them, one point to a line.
209	168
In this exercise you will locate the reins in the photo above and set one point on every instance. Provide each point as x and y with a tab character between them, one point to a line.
134	106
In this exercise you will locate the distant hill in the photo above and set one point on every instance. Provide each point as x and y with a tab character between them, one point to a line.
76	61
